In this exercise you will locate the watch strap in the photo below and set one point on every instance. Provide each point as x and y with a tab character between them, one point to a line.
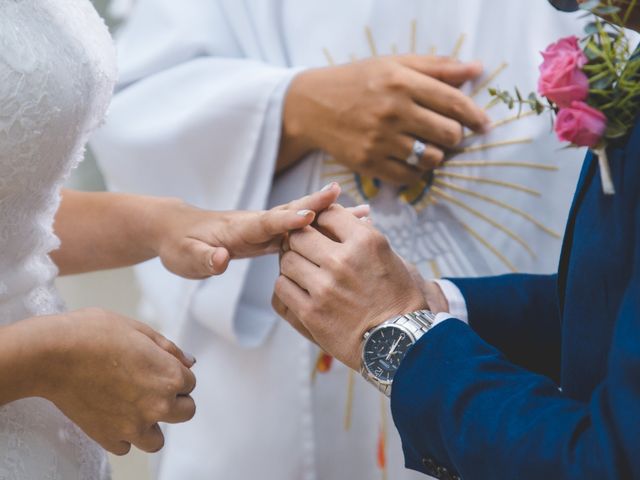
417	323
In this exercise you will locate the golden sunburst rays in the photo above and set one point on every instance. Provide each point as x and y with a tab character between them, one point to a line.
371	41
498	163
328	56
488	146
457	48
488	80
347	180
489	181
383	463
488	245
448	185
413	38
440	193
435	269
501	123
348	411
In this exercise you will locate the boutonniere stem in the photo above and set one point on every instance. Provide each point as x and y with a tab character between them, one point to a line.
605	170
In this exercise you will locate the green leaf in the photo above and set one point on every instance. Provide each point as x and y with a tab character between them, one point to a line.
590	5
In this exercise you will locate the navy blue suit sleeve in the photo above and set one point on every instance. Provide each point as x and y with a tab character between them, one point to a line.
458	400
520	316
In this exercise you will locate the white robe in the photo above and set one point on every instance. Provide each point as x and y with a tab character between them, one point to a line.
198	117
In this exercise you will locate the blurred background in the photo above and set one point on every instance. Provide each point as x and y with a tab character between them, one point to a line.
115	290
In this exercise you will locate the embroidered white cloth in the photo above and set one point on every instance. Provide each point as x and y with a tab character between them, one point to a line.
57	69
198	116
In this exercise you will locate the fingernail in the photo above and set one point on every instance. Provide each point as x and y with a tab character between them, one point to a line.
365	219
304	213
190	358
363	206
328	186
211	259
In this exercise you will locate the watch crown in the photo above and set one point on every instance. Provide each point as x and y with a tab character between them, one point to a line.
367	335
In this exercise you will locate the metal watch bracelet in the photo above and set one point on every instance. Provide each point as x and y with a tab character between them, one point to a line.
417	324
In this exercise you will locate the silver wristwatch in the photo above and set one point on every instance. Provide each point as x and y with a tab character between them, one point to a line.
386	345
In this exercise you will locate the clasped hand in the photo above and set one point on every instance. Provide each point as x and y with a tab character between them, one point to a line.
340	278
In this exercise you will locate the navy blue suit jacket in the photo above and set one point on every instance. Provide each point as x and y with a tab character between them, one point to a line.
545	382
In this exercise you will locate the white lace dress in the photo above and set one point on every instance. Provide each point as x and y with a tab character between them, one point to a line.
57	68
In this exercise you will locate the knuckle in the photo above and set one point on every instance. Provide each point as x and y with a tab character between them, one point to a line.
363	157
191	410
459	106
452	134
121	450
162	408
324	289
286	261
375	241
157	445
394	78
338	261
435	157
175	381
132	429
387	110
277	290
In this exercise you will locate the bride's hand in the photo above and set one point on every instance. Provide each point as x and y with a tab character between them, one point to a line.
196	243
113	377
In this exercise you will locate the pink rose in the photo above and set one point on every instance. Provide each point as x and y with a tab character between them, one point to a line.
561	77
580	124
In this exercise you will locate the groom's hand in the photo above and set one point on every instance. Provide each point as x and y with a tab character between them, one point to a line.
336	286
195	243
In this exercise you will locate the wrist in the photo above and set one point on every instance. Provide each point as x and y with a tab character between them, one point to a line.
435	298
35	353
298	113
156	219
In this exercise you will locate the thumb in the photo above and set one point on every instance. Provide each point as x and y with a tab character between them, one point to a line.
196	259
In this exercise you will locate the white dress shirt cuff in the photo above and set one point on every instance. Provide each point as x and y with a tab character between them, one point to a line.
457	303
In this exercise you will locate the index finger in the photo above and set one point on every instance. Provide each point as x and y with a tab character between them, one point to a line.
339	223
316	202
445	69
448	101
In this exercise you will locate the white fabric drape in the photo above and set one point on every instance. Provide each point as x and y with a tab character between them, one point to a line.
197	116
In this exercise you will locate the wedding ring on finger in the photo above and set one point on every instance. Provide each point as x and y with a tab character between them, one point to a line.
417	152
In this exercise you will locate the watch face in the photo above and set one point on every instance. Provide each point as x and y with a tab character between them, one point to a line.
384	349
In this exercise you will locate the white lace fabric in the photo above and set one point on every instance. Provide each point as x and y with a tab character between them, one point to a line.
57	70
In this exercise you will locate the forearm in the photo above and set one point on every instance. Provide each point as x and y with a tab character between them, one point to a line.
519	315
106	230
295	138
496	420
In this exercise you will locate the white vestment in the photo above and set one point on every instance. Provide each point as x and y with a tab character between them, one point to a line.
198	116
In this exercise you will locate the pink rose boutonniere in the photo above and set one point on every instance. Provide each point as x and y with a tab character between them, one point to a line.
561	77
591	86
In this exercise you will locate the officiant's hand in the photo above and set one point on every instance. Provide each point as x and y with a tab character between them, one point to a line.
196	243
368	114
335	286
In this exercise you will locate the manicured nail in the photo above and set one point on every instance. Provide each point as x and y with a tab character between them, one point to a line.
363	206
190	358
329	186
304	213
